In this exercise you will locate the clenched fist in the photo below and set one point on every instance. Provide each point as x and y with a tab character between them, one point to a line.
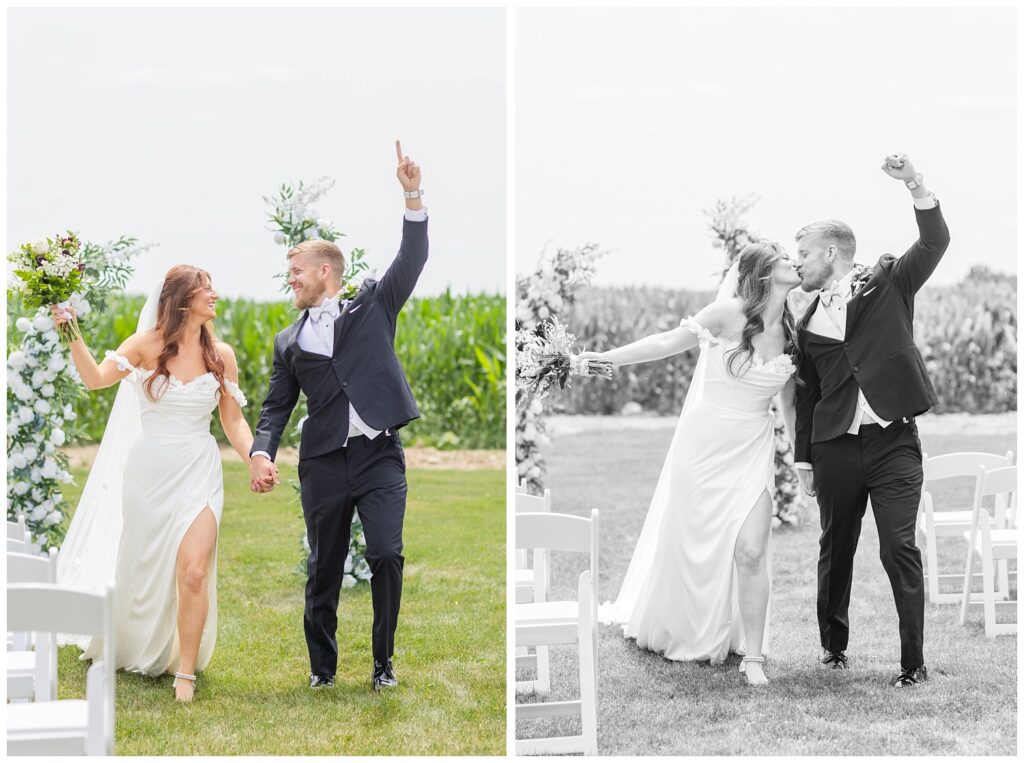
898	166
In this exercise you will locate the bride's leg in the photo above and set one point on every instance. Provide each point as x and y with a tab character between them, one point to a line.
754	584
195	555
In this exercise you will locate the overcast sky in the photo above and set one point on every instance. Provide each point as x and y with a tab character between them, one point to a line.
630	122
171	124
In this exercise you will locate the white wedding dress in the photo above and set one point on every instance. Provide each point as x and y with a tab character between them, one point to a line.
679	595
171	474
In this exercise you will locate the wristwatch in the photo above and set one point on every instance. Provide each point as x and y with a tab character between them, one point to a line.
414	194
915	181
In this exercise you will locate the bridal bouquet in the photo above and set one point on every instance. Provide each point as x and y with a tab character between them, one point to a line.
546	356
49	272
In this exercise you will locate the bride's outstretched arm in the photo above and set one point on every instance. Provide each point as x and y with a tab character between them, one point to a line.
713	318
235	427
98	375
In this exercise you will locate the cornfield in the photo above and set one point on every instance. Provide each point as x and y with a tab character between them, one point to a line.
967	335
452	348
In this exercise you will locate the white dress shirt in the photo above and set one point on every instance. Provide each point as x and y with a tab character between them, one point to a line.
317	336
830	321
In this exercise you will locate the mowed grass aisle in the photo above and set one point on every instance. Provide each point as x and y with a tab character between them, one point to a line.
649	705
253	698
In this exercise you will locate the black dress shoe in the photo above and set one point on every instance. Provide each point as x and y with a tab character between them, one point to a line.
835	660
911	677
383	676
320	682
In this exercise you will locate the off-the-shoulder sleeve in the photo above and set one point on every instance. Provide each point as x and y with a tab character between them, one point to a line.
236	392
704	337
123	364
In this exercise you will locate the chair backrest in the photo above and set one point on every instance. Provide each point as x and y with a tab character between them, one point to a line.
22	545
16	530
556	532
521	487
56	609
1001	483
526	503
29	568
951	465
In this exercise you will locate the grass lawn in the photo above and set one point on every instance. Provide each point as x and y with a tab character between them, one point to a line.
649	705
253	699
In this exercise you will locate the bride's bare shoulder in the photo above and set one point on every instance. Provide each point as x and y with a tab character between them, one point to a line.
723	317
142	348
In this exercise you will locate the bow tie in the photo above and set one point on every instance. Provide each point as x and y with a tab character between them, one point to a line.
836	292
328	307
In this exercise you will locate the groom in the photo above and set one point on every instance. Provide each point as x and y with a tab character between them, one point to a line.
341	355
863	382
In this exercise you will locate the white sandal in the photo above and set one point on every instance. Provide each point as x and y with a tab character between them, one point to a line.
745	660
186	677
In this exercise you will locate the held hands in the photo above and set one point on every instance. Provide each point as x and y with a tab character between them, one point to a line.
595	364
806	477
898	166
408	171
66	316
262	474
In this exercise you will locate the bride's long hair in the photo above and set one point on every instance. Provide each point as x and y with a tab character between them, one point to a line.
181	284
754	272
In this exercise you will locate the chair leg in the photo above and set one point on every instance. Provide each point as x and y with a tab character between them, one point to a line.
1003	589
988	582
968	582
543	683
931	572
588	693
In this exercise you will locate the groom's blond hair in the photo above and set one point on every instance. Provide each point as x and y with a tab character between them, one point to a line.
322	251
834	231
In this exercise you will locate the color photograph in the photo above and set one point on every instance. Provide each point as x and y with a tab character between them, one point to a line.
256	467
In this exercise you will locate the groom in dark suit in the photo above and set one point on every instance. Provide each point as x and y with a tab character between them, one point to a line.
341	355
862	382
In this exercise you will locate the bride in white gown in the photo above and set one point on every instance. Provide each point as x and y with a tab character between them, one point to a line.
150	512
698	584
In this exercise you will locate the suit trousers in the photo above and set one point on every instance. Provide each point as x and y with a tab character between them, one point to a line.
368	477
885	465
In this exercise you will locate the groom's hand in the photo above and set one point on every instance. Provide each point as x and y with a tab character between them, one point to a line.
408	172
899	166
806	477
262	474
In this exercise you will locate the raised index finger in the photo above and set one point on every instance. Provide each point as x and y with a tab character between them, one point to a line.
398	150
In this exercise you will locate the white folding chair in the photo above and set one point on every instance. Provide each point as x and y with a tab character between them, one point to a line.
940	522
16	529
67	726
32	674
532	585
22	545
991	544
543	623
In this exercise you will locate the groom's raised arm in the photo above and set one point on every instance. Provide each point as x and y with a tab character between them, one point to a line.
282	394
396	285
910	271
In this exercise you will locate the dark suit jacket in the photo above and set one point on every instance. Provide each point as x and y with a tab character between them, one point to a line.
364	368
878	354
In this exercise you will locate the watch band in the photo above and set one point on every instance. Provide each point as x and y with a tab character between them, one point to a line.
915	181
414	194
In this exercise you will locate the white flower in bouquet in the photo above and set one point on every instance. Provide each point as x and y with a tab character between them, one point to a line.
42	407
20	488
31	453
42	246
38	378
80	304
50	468
53	518
279	238
13	427
48	447
26	415
24	325
349	581
348	562
57	437
16	461
16	360
37	514
42	322
51	336
48	390
533	472
36	474
23	392
37	494
56	363
362	570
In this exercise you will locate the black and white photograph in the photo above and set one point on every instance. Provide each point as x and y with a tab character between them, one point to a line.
766	379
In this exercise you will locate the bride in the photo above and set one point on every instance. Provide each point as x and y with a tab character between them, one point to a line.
154	496
698	584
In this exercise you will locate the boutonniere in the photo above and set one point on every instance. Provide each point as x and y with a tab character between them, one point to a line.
349	289
862	274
